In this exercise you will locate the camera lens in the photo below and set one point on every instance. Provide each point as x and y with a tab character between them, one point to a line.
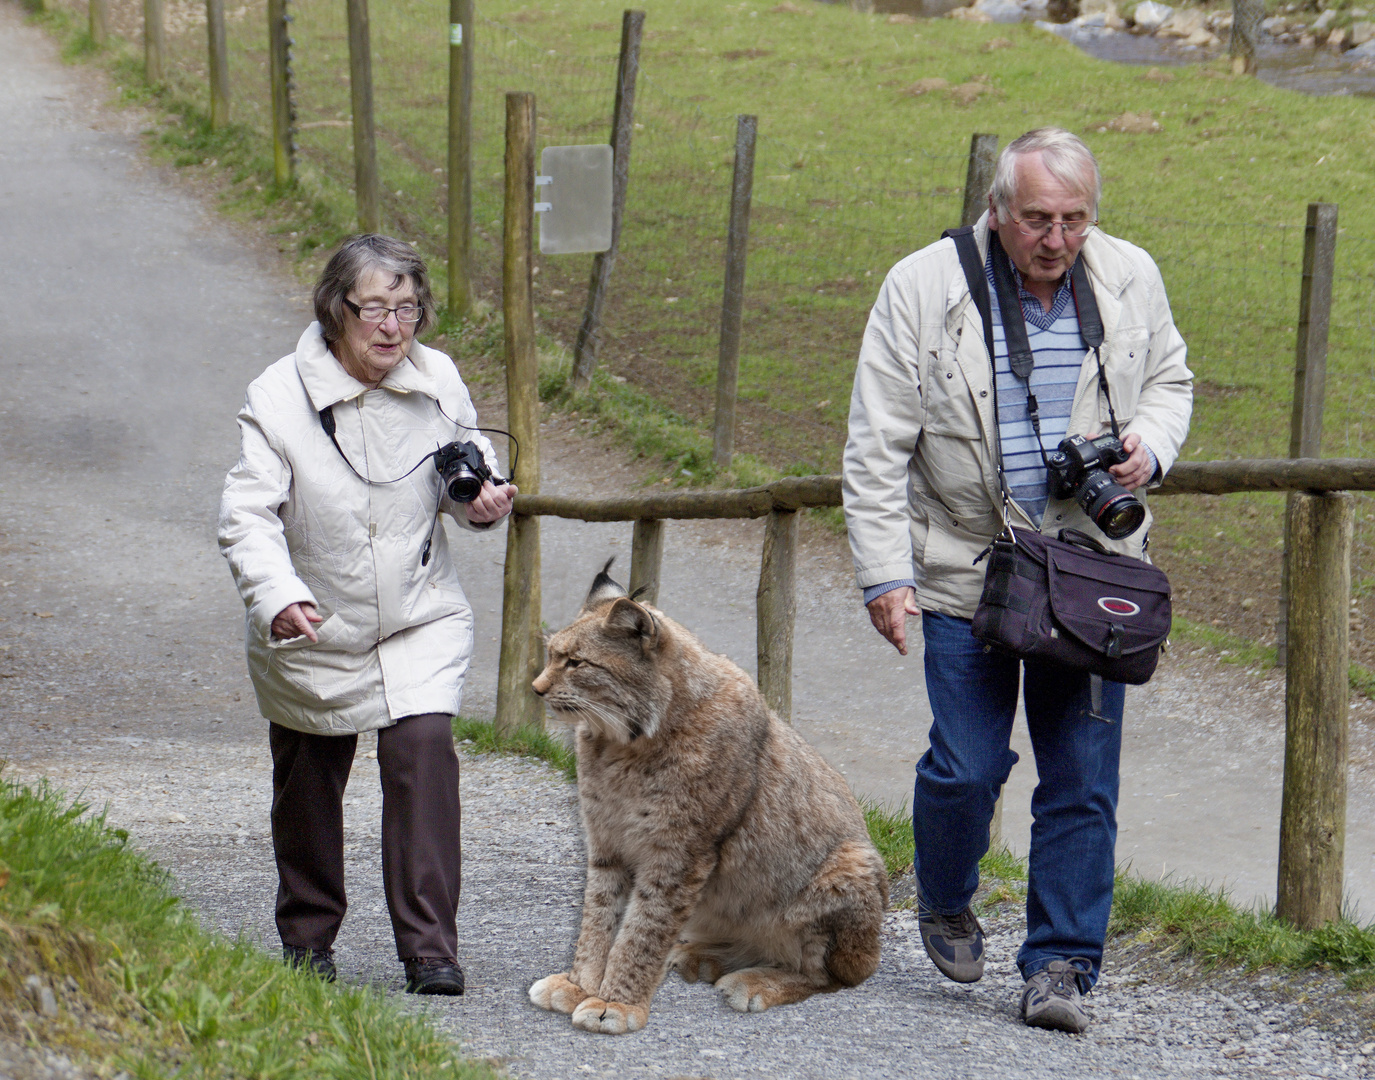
464	486
1110	506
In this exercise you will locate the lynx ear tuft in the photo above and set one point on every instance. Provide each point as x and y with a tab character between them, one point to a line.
603	588
629	617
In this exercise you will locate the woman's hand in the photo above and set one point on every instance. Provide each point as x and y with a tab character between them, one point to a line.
296	620
491	504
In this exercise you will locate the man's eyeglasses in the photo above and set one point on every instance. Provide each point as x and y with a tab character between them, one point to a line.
376	313
1070	230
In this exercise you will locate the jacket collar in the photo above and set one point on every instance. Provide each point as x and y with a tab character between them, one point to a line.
327	383
1110	272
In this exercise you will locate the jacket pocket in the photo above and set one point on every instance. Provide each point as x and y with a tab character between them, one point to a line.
325	632
1124	363
946	397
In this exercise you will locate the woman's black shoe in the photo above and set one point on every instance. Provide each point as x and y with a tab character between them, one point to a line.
433	975
320	961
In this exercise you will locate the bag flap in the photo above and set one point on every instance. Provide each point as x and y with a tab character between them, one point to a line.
1115	605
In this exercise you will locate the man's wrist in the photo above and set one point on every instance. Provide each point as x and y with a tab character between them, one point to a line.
873	592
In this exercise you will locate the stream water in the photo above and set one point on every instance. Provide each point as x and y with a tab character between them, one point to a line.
1294	67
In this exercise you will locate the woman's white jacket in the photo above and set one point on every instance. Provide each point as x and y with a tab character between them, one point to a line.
298	524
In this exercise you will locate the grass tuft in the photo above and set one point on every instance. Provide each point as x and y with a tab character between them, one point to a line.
526	741
890	828
1203	923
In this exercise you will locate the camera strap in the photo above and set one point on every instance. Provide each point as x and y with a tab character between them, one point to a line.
1020	357
1019	354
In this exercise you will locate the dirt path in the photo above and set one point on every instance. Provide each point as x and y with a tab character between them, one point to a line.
135	317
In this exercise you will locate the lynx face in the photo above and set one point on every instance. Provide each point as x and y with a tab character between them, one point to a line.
606	670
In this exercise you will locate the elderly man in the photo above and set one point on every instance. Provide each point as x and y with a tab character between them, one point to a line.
945	447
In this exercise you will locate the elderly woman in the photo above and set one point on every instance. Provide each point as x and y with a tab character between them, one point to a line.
356	620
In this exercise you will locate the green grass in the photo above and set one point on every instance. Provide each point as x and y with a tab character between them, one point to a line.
526	741
1230	648
890	828
1196	922
852	172
80	902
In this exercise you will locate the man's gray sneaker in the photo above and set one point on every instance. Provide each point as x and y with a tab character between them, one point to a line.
1052	998
955	943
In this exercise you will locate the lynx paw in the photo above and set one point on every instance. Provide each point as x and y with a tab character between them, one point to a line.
749	991
558	993
609	1017
694	964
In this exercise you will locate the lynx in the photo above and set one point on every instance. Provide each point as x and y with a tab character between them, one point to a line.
719	844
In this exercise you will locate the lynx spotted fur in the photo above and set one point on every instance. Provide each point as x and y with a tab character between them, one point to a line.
719	843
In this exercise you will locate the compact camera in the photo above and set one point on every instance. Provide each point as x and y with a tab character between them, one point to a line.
464	470
1078	469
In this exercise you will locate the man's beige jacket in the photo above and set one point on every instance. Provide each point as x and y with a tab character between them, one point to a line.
920	475
297	524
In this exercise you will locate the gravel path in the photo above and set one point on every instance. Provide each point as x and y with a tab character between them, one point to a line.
201	811
122	678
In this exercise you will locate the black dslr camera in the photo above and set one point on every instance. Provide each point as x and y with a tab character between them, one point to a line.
1078	470
464	470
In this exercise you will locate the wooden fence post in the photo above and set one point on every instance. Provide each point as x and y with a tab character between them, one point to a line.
283	112
154	41
219	64
733	296
99	20
1313	818
776	611
983	158
460	157
364	137
1246	20
1310	373
521	645
622	127
647	557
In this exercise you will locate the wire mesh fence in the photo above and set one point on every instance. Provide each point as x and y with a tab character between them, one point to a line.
826	224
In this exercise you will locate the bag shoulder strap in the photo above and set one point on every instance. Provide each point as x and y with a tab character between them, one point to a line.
973	268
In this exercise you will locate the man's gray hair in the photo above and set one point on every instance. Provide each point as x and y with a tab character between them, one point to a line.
1065	157
346	267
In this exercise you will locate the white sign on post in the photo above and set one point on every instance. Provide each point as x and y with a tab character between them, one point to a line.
575	199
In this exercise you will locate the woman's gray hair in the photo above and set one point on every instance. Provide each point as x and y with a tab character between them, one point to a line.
1065	157
346	267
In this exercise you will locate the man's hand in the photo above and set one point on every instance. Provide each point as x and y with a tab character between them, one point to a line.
1136	470
889	614
296	620
491	504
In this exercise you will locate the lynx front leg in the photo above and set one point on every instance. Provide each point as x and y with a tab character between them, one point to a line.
603	901
638	960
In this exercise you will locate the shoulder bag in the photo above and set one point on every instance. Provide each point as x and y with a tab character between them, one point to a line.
1067	600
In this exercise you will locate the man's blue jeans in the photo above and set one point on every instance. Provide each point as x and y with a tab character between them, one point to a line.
973	696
